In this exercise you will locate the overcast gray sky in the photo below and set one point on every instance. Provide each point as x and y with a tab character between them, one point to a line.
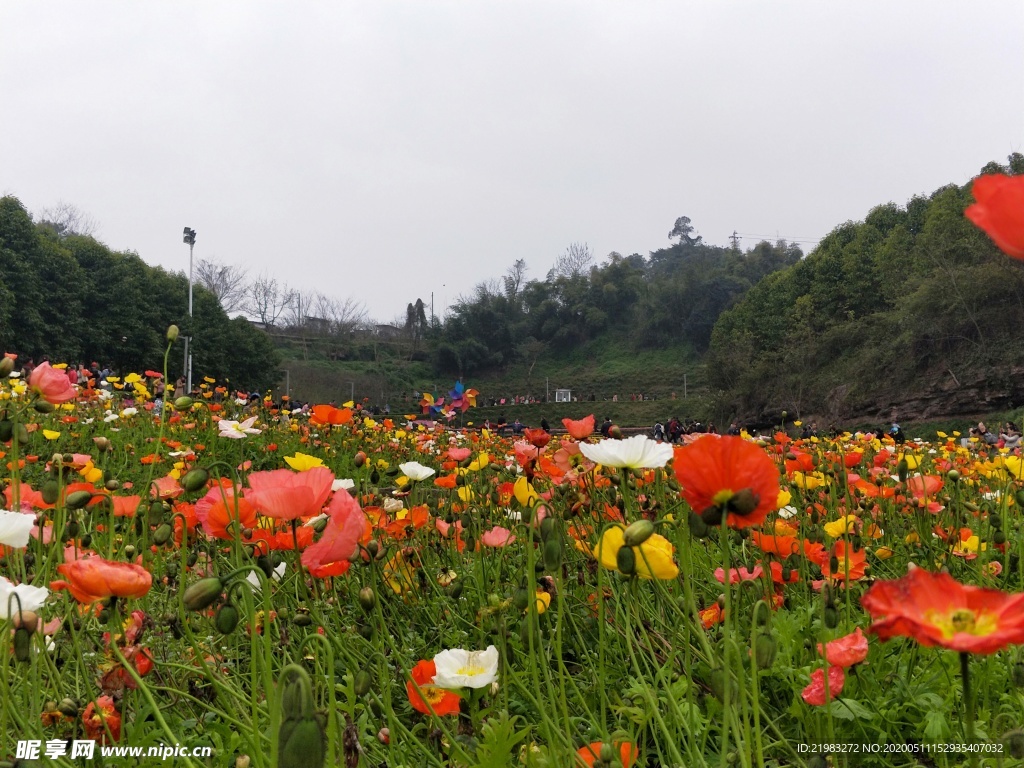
384	150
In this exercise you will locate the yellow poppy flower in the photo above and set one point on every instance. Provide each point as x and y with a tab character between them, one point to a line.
524	492
301	461
49	434
838	527
481	461
653	557
783	499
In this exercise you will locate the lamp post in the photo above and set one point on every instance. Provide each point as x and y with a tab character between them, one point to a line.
190	238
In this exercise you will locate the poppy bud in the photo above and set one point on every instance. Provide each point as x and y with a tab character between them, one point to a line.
1014	741
6	430
302	619
50	491
22	644
183	403
78	499
6	366
172	333
607	752
831	617
366	632
553	554
43	406
195	479
996	520
162	534
367	598
953	475
1017	674
243	761
625	561
203	593
521	599
547	528
615	432
999	537
765	649
902	469
27	620
359	459
226	619
301	744
68	707
375	477
637	533
362	682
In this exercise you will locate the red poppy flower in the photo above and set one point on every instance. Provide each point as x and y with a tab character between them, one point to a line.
537	437
340	539
97	720
814	694
999	211
94	578
935	609
846	651
441	701
628	753
580	429
729	473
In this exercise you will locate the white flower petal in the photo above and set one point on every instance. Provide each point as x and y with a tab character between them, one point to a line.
457	668
637	452
15	528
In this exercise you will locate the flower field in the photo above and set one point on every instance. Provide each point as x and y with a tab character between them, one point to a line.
309	588
326	588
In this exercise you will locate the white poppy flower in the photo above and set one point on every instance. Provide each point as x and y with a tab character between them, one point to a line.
416	471
787	512
637	452
15	528
238	430
393	505
343	484
255	582
32	598
457	668
129	412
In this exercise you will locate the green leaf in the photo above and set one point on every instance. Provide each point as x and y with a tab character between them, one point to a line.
499	738
850	709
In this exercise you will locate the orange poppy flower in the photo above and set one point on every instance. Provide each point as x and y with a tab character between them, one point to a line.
97	721
219	508
324	415
628	753
999	211
852	563
445	481
580	429
93	578
441	701
728	473
935	609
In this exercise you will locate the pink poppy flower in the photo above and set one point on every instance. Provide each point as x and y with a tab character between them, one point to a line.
52	385
497	537
459	454
736	575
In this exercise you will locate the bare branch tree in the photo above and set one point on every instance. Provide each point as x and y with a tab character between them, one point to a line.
267	300
230	284
576	259
68	219
515	279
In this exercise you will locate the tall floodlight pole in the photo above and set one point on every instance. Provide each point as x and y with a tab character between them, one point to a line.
190	238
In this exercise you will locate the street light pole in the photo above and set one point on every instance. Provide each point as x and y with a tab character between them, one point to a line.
190	238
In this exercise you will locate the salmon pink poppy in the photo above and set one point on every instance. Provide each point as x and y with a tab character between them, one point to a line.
728	474
814	694
497	537
340	540
93	578
847	650
580	429
935	609
287	495
459	454
51	385
999	211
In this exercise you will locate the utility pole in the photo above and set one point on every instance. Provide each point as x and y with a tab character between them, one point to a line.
684	386
190	238
735	240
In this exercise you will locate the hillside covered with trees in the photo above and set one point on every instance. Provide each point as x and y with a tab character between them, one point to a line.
68	297
912	312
